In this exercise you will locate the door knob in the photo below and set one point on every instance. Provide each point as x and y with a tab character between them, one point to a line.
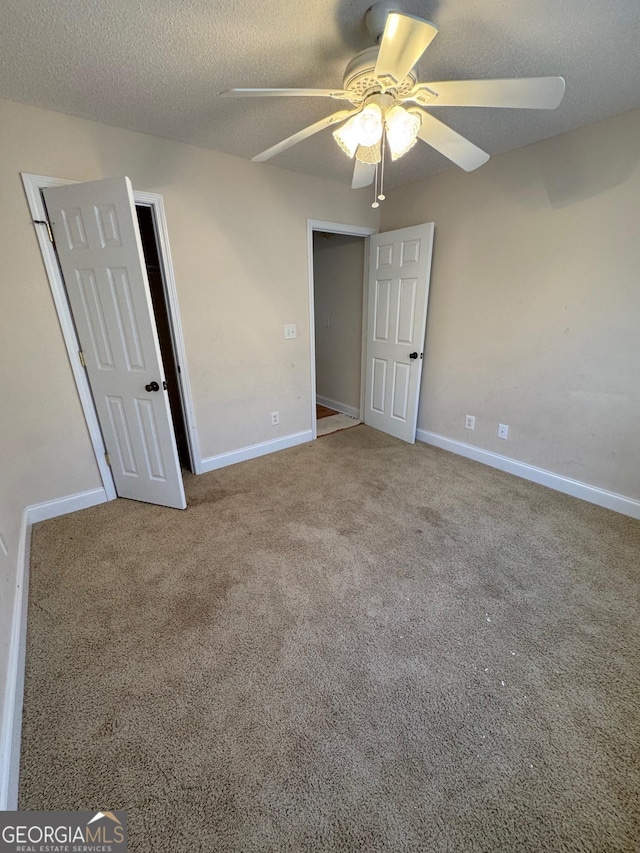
413	355
152	386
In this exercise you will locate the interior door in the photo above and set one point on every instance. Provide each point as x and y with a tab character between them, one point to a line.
98	244
398	294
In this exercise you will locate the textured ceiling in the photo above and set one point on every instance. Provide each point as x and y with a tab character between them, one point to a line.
158	66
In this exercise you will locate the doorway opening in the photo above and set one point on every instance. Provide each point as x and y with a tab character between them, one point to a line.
338	276
338	268
172	369
394	317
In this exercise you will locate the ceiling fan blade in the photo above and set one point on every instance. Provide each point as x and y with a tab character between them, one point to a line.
445	140
287	93
533	93
363	175
404	40
334	118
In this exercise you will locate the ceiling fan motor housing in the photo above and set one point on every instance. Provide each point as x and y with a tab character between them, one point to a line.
359	75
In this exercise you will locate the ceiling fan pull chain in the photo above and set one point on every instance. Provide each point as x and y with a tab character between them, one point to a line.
381	196
376	203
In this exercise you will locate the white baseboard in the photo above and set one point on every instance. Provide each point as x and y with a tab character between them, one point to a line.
14	688
61	506
591	494
352	411
212	463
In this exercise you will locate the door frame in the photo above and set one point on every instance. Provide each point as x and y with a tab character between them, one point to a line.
32	186
349	231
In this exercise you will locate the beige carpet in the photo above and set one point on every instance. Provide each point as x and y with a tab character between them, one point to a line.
351	645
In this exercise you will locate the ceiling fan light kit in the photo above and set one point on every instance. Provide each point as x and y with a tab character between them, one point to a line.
380	80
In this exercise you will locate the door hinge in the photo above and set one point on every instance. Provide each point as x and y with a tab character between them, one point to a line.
45	222
81	357
107	460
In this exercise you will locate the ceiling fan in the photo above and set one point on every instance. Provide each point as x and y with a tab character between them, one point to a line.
390	110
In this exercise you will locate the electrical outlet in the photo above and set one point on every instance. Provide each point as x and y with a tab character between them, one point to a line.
469	422
503	430
3	547
290	331
275	418
327	322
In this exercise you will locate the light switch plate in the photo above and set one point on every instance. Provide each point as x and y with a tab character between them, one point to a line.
290	331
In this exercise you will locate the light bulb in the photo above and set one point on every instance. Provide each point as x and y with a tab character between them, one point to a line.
402	130
369	123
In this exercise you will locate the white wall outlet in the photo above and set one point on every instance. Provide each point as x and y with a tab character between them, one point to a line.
290	331
503	430
275	418
469	422
3	547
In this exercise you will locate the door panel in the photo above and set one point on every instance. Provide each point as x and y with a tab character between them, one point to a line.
399	270
98	245
378	385
382	303
400	394
406	310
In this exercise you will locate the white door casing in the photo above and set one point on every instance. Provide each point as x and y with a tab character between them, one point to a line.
100	253
398	294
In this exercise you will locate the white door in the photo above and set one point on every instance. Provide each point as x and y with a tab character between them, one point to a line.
399	271
98	244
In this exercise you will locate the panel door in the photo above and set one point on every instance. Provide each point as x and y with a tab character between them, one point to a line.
398	295
98	244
